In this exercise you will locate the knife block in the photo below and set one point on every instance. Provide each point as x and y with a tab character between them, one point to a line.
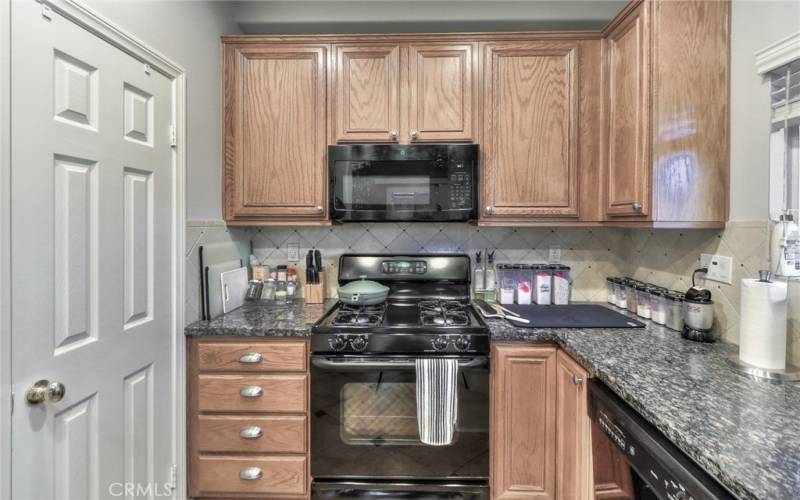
315	294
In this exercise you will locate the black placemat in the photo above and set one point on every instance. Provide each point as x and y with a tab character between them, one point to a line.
572	316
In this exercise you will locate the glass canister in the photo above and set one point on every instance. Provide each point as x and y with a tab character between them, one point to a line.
674	310
507	283
630	293
622	293
542	285
524	279
643	300
658	305
562	284
611	290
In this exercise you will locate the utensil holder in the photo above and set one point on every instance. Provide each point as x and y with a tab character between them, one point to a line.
315	294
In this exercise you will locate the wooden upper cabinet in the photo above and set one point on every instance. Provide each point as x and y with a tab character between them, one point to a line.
441	89
275	132
628	97
530	140
523	422
367	93
573	456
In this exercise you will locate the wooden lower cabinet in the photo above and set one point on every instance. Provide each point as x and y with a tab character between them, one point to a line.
540	437
248	433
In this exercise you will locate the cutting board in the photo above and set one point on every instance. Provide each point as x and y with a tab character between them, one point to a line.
572	316
212	278
233	288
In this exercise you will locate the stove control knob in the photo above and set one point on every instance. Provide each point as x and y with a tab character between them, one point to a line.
462	343
439	343
337	343
359	343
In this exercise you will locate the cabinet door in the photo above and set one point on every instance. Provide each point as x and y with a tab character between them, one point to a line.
523	425
367	86
275	127
612	474
530	137
440	92
573	438
628	160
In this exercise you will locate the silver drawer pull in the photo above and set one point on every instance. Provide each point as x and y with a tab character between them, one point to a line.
251	391
251	432
250	358
250	474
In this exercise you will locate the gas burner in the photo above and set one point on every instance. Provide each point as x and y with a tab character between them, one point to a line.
443	313
359	315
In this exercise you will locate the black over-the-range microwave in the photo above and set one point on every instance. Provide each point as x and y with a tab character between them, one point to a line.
387	182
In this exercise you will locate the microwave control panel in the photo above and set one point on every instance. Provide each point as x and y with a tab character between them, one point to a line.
460	190
404	267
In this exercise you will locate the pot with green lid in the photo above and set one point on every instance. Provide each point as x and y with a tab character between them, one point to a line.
363	292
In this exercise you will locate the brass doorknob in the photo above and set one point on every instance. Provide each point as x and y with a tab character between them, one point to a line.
45	391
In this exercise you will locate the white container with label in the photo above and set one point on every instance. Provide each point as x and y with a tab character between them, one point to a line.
524	280
542	285
561	284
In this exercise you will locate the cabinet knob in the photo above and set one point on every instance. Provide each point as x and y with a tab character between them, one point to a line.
319	209
251	391
577	380
251	432
250	474
636	206
488	210
250	358
414	133
393	134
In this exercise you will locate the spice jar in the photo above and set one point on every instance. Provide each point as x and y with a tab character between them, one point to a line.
674	310
630	293
658	306
622	293
611	290
643	300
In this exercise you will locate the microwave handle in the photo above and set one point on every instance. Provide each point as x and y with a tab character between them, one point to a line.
366	363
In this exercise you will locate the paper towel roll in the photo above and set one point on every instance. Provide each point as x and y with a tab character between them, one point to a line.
762	333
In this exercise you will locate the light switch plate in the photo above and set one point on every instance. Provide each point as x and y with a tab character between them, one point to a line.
720	267
554	256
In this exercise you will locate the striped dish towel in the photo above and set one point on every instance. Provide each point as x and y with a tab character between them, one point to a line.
437	400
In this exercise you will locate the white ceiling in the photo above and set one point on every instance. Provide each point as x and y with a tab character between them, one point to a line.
391	16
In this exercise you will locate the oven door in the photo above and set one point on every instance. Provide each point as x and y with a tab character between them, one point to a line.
364	422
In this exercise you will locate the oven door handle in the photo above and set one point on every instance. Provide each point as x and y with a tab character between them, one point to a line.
382	363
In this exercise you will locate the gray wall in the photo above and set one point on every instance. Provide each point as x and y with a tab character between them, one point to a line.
754	25
188	33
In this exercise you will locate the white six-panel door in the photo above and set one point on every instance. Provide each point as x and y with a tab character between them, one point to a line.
92	245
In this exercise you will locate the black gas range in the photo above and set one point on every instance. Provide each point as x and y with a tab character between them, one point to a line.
364	427
427	311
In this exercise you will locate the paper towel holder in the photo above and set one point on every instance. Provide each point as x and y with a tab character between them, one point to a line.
788	375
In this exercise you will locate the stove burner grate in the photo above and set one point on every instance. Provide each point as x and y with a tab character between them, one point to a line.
348	315
443	313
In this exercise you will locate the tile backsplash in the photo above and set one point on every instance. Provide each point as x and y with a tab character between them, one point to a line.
665	257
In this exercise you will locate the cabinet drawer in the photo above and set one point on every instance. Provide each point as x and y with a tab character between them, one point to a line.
273	393
252	356
278	475
275	434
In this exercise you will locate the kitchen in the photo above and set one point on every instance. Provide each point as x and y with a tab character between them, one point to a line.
350	249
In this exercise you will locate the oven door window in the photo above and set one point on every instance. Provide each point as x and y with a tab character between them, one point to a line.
379	414
389	186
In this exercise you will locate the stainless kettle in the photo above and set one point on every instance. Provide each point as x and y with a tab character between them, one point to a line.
698	312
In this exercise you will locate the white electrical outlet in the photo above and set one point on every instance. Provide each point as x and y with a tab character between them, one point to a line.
555	255
293	252
720	267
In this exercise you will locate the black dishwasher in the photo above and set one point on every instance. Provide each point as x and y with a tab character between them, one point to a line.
645	464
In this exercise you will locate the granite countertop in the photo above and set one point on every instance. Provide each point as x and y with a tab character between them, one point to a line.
744	433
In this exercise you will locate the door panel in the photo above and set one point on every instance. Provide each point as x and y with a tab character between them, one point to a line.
275	131
92	182
612	474
441	87
367	83
530	141
523	427
628	166
573	441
